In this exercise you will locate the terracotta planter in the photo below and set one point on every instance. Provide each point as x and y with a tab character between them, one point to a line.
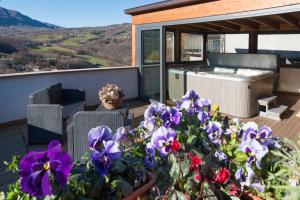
112	106
142	190
249	196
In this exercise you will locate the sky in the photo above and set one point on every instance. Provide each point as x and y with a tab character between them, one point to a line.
76	13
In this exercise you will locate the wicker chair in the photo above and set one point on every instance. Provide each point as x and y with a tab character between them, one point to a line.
84	121
49	110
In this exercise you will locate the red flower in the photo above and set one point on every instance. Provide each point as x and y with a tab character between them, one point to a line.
195	163
222	176
176	146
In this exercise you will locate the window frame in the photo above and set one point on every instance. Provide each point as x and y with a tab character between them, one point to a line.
143	49
203	47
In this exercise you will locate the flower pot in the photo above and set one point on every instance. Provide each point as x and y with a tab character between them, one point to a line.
113	105
142	190
250	196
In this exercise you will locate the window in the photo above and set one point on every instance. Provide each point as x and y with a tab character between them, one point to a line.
215	43
151	46
285	45
191	47
170	46
236	43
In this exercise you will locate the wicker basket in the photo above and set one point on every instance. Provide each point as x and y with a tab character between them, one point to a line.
112	106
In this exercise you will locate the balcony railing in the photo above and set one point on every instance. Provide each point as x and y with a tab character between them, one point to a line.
15	88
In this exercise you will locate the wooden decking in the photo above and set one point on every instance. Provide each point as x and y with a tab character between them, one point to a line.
12	139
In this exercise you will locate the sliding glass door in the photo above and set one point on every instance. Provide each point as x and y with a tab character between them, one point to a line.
150	64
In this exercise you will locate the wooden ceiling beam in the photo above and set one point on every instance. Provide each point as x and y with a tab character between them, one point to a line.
289	19
245	23
225	25
267	22
208	27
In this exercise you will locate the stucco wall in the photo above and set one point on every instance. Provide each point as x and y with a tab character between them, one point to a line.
15	89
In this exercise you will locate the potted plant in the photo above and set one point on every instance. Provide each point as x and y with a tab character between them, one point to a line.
111	96
110	171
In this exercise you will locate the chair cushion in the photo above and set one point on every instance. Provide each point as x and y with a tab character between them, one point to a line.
40	97
70	109
55	93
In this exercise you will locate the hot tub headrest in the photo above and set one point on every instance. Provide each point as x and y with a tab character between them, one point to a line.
252	61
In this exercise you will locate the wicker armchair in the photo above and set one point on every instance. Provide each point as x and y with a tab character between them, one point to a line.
49	110
83	122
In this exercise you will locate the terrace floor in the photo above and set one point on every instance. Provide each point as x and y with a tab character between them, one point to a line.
12	138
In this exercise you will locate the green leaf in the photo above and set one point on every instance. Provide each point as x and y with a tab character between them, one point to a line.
118	167
192	139
241	157
180	195
174	172
185	167
126	188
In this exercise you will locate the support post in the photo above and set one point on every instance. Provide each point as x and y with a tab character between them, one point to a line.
162	64
253	38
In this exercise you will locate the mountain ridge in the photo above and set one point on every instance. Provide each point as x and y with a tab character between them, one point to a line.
15	18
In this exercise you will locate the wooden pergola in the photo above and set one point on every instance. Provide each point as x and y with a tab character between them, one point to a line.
213	17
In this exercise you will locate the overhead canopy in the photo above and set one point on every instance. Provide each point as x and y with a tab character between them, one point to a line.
221	16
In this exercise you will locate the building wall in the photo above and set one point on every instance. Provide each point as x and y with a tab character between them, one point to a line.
209	9
15	89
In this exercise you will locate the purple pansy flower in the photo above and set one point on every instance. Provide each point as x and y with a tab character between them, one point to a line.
120	135
190	102
214	131
103	159
41	170
162	139
251	131
150	157
171	117
248	180
256	151
97	135
221	156
203	116
205	104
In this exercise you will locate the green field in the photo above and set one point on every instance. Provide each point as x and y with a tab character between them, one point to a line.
94	60
80	39
54	48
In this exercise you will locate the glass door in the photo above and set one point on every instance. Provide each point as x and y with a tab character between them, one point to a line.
150	64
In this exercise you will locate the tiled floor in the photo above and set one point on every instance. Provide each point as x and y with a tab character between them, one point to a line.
12	139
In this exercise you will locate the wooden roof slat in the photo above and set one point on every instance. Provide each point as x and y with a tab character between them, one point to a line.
267	22
193	28
226	25
245	23
208	27
289	19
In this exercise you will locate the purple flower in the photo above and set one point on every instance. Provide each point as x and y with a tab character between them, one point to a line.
203	116
251	132
190	102
120	135
190	95
214	131
162	140
41	170
255	150
97	135
103	159
205	104
171	117
154	110
221	156
248	180
150	157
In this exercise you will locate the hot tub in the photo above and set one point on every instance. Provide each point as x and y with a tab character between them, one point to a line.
236	94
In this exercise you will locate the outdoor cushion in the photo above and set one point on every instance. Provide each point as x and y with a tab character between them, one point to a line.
71	109
40	97
224	70
55	93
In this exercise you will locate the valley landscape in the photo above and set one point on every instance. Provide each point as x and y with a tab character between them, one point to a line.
27	45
